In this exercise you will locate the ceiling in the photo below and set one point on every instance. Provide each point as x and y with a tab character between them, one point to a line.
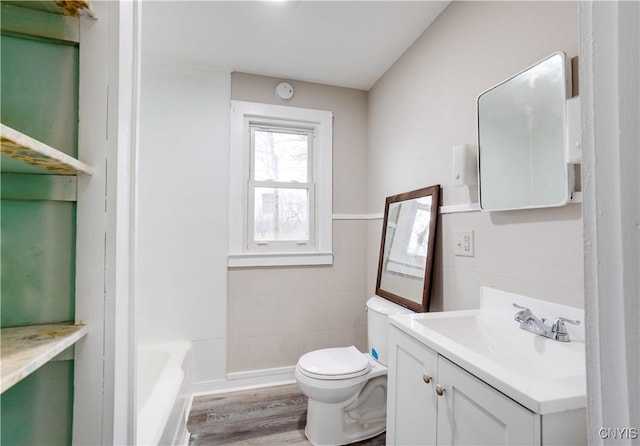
343	43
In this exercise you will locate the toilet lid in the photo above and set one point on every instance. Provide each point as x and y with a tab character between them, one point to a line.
334	363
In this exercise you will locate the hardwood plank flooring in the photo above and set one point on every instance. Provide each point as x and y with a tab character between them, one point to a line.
259	417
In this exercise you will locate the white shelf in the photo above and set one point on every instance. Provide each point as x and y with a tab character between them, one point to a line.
19	146
25	349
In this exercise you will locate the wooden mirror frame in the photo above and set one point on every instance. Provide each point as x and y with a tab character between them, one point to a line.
434	192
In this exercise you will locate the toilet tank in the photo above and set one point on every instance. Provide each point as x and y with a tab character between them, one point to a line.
378	309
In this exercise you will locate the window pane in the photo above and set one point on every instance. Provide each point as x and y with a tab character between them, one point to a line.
281	214
280	156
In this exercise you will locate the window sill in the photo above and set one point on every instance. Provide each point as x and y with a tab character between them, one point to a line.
245	260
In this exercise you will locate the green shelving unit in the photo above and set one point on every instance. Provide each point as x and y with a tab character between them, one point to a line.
39	169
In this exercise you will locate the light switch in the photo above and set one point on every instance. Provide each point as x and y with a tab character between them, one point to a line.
463	243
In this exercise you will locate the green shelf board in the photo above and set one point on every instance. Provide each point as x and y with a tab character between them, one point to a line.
21	147
24	186
26	349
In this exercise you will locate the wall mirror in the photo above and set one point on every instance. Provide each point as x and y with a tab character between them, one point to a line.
406	252
521	139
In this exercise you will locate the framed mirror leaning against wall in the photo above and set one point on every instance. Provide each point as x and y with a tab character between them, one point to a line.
407	248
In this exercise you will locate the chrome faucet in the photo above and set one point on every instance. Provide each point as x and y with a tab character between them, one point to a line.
530	322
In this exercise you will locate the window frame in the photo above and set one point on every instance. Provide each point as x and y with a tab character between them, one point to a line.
243	250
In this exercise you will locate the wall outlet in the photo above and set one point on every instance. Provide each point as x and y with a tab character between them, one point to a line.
463	243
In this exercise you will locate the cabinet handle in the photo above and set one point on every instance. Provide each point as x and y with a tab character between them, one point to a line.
439	390
426	377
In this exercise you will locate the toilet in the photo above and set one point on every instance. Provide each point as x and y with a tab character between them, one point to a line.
347	389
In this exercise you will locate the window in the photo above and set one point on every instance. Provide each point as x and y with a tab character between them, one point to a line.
280	211
280	193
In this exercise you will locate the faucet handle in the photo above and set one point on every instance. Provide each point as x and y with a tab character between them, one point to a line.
558	325
522	314
571	321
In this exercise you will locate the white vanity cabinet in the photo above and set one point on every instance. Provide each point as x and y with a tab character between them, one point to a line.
474	377
469	411
412	405
472	412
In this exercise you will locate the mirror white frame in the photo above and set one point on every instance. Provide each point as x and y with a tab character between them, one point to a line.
522	160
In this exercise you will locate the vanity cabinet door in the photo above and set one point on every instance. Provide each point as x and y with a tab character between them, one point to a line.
411	401
470	412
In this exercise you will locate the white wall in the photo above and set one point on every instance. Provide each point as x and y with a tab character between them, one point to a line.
181	274
278	314
426	103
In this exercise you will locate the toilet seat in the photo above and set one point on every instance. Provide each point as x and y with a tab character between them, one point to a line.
334	363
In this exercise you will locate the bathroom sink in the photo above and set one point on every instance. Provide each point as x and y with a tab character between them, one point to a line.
506	344
542	374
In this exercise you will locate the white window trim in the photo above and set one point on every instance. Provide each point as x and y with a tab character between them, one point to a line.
245	113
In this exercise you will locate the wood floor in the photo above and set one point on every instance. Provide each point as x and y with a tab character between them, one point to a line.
267	416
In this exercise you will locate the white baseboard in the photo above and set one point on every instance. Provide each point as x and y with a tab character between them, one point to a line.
251	379
186	436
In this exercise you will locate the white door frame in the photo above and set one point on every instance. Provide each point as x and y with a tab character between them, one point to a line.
104	369
610	92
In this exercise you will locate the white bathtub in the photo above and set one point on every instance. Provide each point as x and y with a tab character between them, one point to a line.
164	393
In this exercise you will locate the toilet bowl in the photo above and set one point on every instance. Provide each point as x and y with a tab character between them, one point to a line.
347	389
